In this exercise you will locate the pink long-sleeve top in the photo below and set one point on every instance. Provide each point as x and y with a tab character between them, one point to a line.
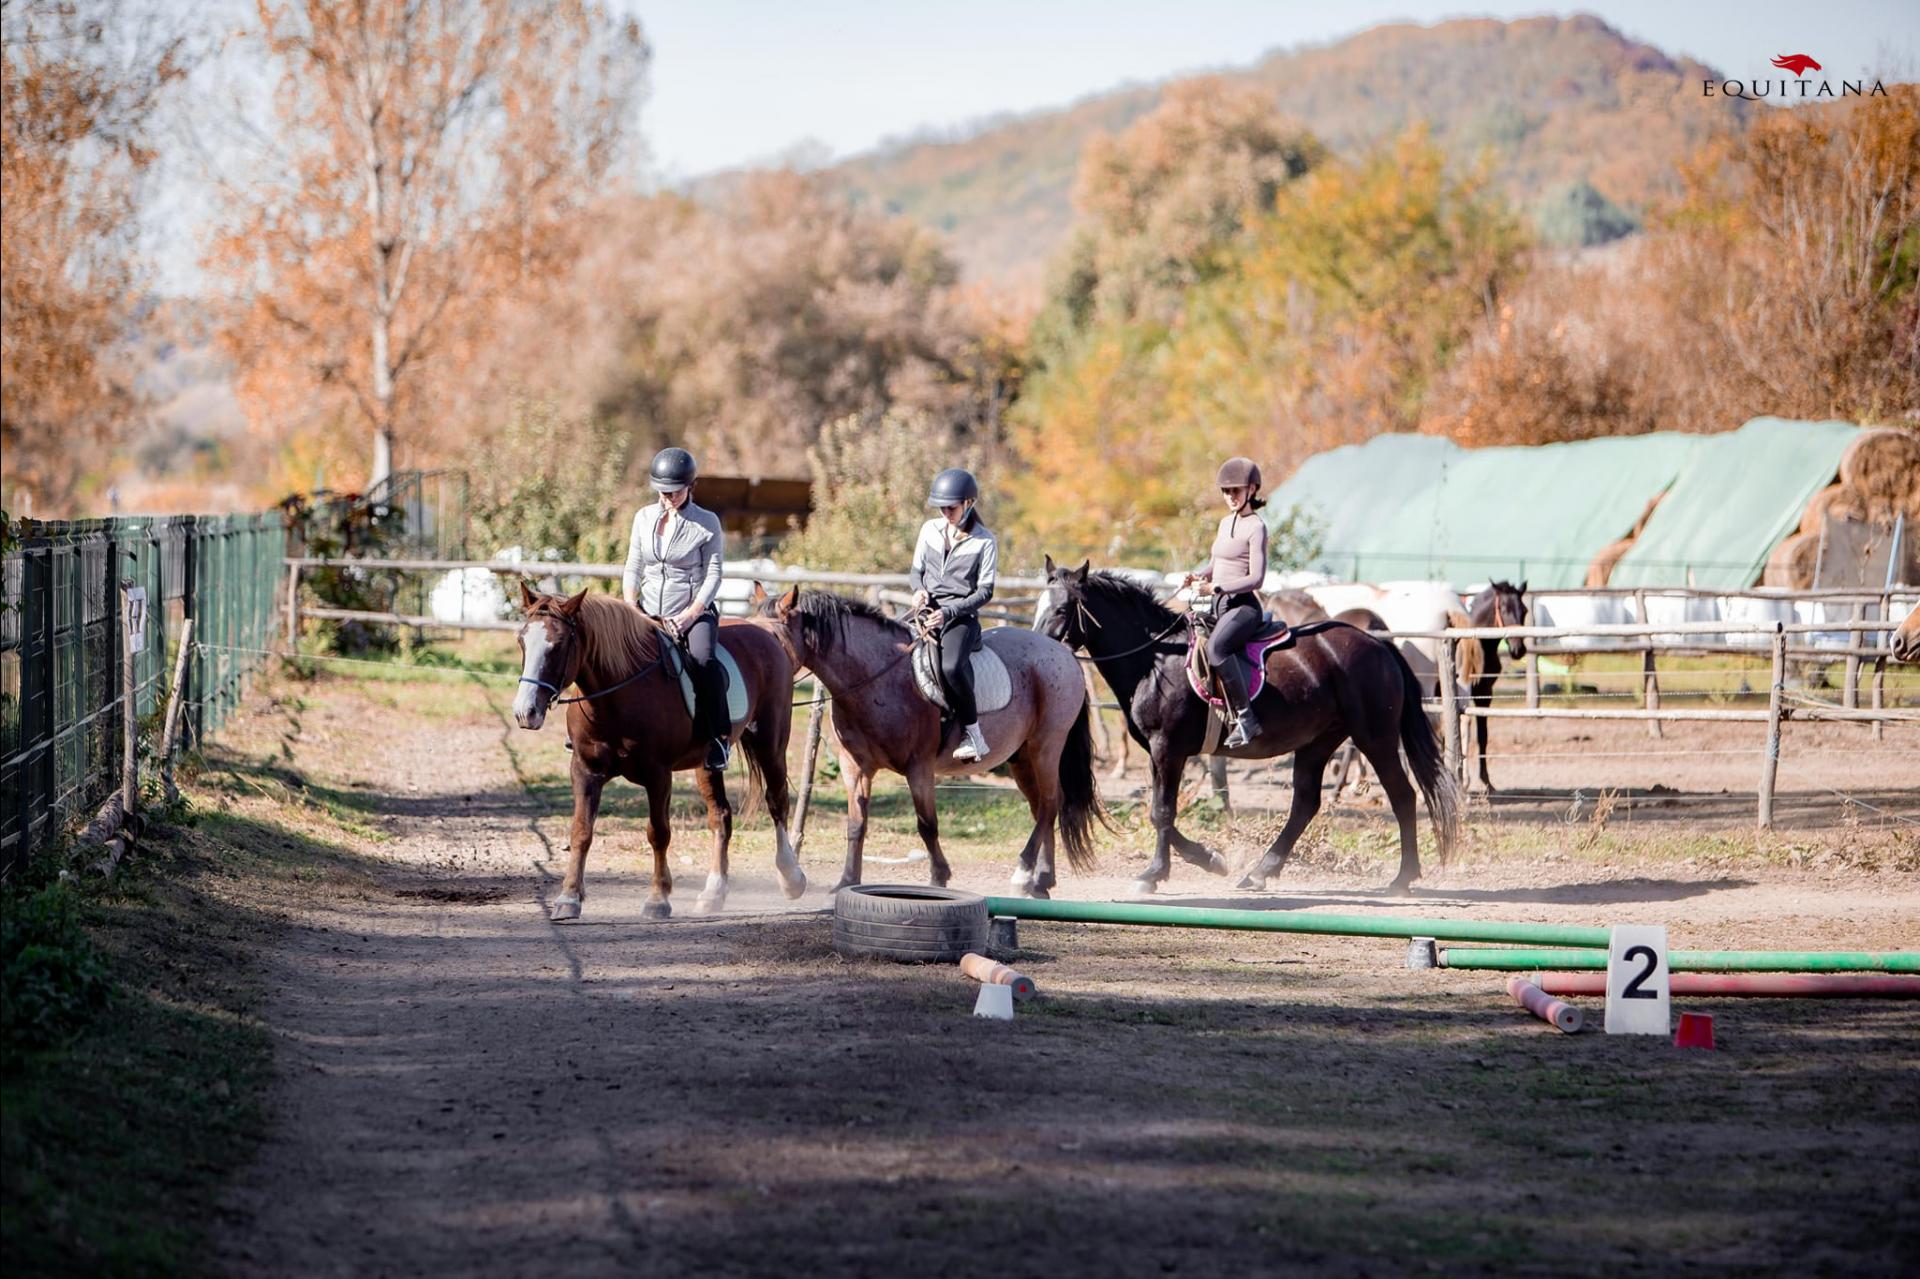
1239	553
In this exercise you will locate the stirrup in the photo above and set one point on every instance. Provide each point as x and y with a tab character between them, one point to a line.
722	749
1246	727
973	745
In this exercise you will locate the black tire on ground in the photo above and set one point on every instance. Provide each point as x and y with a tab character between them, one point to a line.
912	923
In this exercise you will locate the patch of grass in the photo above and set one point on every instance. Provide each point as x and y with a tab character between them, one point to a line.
116	1133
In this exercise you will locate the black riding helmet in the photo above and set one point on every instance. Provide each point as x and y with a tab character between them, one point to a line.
672	470
952	487
1239	473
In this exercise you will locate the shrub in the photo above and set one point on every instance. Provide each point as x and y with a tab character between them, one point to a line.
54	977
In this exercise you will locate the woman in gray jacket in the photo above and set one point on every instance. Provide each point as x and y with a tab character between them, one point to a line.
673	573
955	560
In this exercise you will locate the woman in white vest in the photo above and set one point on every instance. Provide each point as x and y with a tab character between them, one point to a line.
673	573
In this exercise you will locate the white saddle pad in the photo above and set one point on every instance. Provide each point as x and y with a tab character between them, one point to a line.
736	686
992	686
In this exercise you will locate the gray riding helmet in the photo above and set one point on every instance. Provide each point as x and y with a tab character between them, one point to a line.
952	487
1238	472
672	470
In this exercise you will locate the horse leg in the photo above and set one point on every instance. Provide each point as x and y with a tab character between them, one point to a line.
1309	767
1385	758
1482	698
773	768
659	787
859	798
586	807
1192	850
927	819
713	789
1166	774
1043	802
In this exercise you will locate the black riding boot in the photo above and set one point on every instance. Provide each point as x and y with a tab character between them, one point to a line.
710	697
1234	678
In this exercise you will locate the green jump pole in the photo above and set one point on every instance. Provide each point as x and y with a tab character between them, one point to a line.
1299	921
1696	961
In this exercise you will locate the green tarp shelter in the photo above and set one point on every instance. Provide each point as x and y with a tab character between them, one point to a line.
1414	506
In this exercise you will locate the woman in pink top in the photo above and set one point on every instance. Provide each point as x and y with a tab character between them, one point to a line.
1237	568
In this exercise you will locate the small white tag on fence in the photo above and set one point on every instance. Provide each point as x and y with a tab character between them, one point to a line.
1639	985
136	618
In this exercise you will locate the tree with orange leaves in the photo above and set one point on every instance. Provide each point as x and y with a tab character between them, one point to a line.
78	86
439	150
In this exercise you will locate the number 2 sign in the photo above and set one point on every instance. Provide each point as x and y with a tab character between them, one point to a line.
1639	988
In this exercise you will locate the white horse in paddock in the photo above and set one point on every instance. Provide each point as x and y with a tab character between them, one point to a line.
1412	606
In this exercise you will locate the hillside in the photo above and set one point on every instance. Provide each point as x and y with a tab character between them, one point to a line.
1550	101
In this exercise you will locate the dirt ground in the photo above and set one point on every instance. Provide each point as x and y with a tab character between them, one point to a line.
465	1088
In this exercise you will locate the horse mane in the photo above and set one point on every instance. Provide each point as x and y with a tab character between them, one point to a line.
824	616
616	637
1131	594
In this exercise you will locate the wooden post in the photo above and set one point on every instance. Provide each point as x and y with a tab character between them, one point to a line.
293	606
1770	765
1850	689
1449	707
173	710
812	756
1102	743
130	712
1879	693
1649	675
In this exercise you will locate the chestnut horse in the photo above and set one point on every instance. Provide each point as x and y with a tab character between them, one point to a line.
630	720
1905	645
1042	734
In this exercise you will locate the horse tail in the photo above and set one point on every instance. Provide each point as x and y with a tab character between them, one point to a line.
1469	659
1430	772
1080	805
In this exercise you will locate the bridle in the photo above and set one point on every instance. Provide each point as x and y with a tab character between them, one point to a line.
572	627
1086	616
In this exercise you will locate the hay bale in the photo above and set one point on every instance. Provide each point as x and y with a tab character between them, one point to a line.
1602	567
1883	466
1838	501
1793	561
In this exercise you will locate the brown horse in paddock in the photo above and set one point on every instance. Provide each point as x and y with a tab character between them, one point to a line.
1501	604
881	719
1331	683
1905	645
630	720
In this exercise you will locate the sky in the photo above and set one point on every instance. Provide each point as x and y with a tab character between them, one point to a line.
743	82
736	82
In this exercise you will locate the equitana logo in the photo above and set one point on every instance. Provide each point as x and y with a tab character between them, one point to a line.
1798	64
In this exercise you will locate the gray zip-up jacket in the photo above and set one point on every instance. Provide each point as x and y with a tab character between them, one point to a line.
960	580
669	577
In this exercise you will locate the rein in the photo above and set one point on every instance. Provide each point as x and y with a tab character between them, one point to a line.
643	672
1179	619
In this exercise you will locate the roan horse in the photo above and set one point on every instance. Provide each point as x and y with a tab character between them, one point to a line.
882	721
1333	682
631	721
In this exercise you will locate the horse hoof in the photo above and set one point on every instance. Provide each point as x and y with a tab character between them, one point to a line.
794	885
1039	894
844	883
1252	884
657	910
1021	877
563	909
704	905
1145	887
1217	865
1400	888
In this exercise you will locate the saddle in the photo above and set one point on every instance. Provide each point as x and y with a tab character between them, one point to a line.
992	686
1273	633
680	668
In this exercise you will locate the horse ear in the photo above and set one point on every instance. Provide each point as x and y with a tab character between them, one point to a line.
1523	586
527	597
788	601
758	595
1080	574
571	605
1052	568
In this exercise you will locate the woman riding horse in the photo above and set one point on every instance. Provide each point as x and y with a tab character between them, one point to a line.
955	560
1238	567
673	573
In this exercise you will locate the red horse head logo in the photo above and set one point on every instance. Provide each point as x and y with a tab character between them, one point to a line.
1798	63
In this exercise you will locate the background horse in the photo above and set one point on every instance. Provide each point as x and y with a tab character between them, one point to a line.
1501	604
630	720
1905	645
883	721
1333	682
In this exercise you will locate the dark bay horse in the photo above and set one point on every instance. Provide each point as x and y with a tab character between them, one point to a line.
882	721
1333	682
631	721
1501	604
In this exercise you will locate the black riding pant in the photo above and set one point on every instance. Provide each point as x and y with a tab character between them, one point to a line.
959	636
1237	619
709	688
